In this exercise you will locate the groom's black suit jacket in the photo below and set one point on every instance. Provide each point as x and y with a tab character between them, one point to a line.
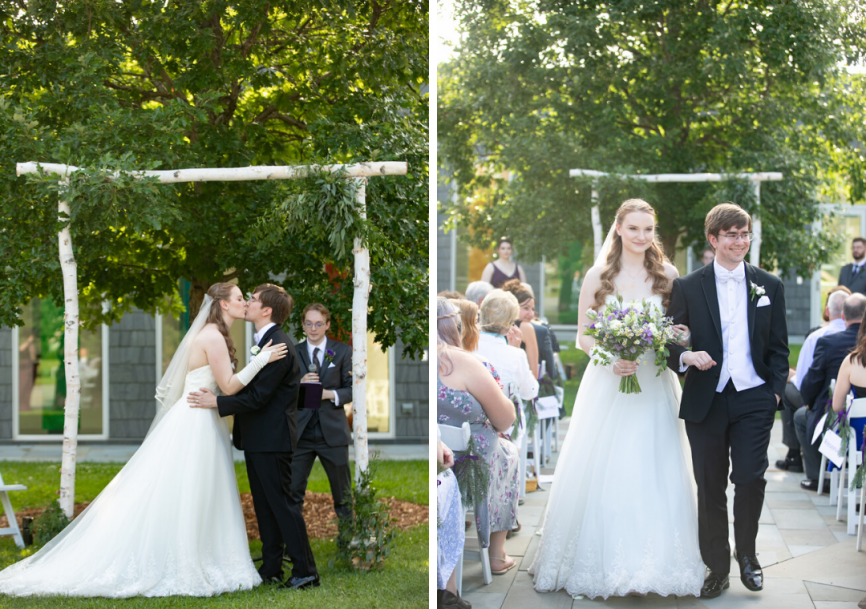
695	303
266	409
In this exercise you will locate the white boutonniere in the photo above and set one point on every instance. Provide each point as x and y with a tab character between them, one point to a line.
757	290
255	350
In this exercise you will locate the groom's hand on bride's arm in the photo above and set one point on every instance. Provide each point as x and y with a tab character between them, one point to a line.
203	398
699	359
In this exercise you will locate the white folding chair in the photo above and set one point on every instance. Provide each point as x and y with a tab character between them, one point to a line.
457	439
12	529
822	472
518	436
857	410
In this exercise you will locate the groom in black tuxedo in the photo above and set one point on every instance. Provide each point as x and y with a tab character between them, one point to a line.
735	376
265	428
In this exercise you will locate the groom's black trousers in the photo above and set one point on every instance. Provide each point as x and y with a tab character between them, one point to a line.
280	518
738	424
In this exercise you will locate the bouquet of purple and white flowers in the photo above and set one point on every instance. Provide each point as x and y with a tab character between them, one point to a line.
625	331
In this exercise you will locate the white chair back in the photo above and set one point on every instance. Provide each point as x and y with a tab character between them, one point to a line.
858	408
455	438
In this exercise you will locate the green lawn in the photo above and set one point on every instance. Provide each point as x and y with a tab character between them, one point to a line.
401	582
405	480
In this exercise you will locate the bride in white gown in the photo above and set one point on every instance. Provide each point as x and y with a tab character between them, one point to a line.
170	522
621	517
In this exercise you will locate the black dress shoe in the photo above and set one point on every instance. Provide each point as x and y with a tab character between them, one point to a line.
273	581
444	599
812	485
714	584
299	583
750	573
791	464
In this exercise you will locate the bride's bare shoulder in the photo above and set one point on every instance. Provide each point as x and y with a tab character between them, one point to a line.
593	276
671	271
208	334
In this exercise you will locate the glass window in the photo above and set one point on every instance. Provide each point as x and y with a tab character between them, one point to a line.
42	378
378	388
849	226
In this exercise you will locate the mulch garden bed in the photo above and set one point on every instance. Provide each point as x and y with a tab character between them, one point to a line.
318	514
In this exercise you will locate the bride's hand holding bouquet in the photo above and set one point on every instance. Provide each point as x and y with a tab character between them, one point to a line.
625	332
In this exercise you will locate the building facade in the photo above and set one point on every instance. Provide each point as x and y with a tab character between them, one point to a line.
122	364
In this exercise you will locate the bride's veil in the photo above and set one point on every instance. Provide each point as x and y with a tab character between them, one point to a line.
601	259
170	388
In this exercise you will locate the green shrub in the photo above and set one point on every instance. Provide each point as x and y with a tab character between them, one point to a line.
48	524
366	537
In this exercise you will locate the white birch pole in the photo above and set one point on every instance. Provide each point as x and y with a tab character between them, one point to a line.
359	339
70	362
755	250
597	239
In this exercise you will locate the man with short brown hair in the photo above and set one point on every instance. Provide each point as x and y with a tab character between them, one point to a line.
851	275
734	379
324	432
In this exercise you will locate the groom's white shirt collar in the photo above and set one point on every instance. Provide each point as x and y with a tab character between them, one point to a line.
739	271
257	337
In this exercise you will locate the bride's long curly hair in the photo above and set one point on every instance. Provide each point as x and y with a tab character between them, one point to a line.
222	291
654	258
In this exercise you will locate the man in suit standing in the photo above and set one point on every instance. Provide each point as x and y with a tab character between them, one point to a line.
324	433
852	275
830	350
265	428
734	379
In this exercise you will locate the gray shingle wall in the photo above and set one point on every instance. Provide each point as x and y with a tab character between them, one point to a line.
5	383
797	303
412	381
132	376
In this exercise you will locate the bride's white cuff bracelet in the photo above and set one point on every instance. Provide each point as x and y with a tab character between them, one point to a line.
252	369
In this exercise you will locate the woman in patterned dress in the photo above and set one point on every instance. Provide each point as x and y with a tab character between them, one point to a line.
468	390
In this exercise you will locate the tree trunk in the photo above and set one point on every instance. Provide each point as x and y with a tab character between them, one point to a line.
196	296
70	365
359	340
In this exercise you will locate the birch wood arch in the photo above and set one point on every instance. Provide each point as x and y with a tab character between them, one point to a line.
754	179
359	172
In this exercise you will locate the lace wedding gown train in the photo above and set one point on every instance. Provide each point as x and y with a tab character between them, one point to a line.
169	523
622	516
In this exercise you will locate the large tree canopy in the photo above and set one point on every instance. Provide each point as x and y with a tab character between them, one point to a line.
111	86
658	86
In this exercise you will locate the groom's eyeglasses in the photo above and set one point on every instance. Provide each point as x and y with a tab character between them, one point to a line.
734	237
317	325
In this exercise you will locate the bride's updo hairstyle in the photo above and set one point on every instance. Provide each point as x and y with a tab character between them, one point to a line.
448	330
654	258
222	291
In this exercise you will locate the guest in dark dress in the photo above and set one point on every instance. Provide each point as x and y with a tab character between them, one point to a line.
502	270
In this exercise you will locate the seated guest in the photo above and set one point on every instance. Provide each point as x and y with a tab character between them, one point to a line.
477	290
524	323
324	433
469	390
851	275
499	343
830	351
545	339
451	294
450	533
826	315
852	376
469	322
792	399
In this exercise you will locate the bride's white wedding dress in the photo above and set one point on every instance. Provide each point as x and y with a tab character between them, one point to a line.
169	523
621	516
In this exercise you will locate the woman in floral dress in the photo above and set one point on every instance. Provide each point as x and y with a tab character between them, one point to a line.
469	390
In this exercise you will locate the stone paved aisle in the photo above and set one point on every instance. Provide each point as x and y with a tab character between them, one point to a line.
809	560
